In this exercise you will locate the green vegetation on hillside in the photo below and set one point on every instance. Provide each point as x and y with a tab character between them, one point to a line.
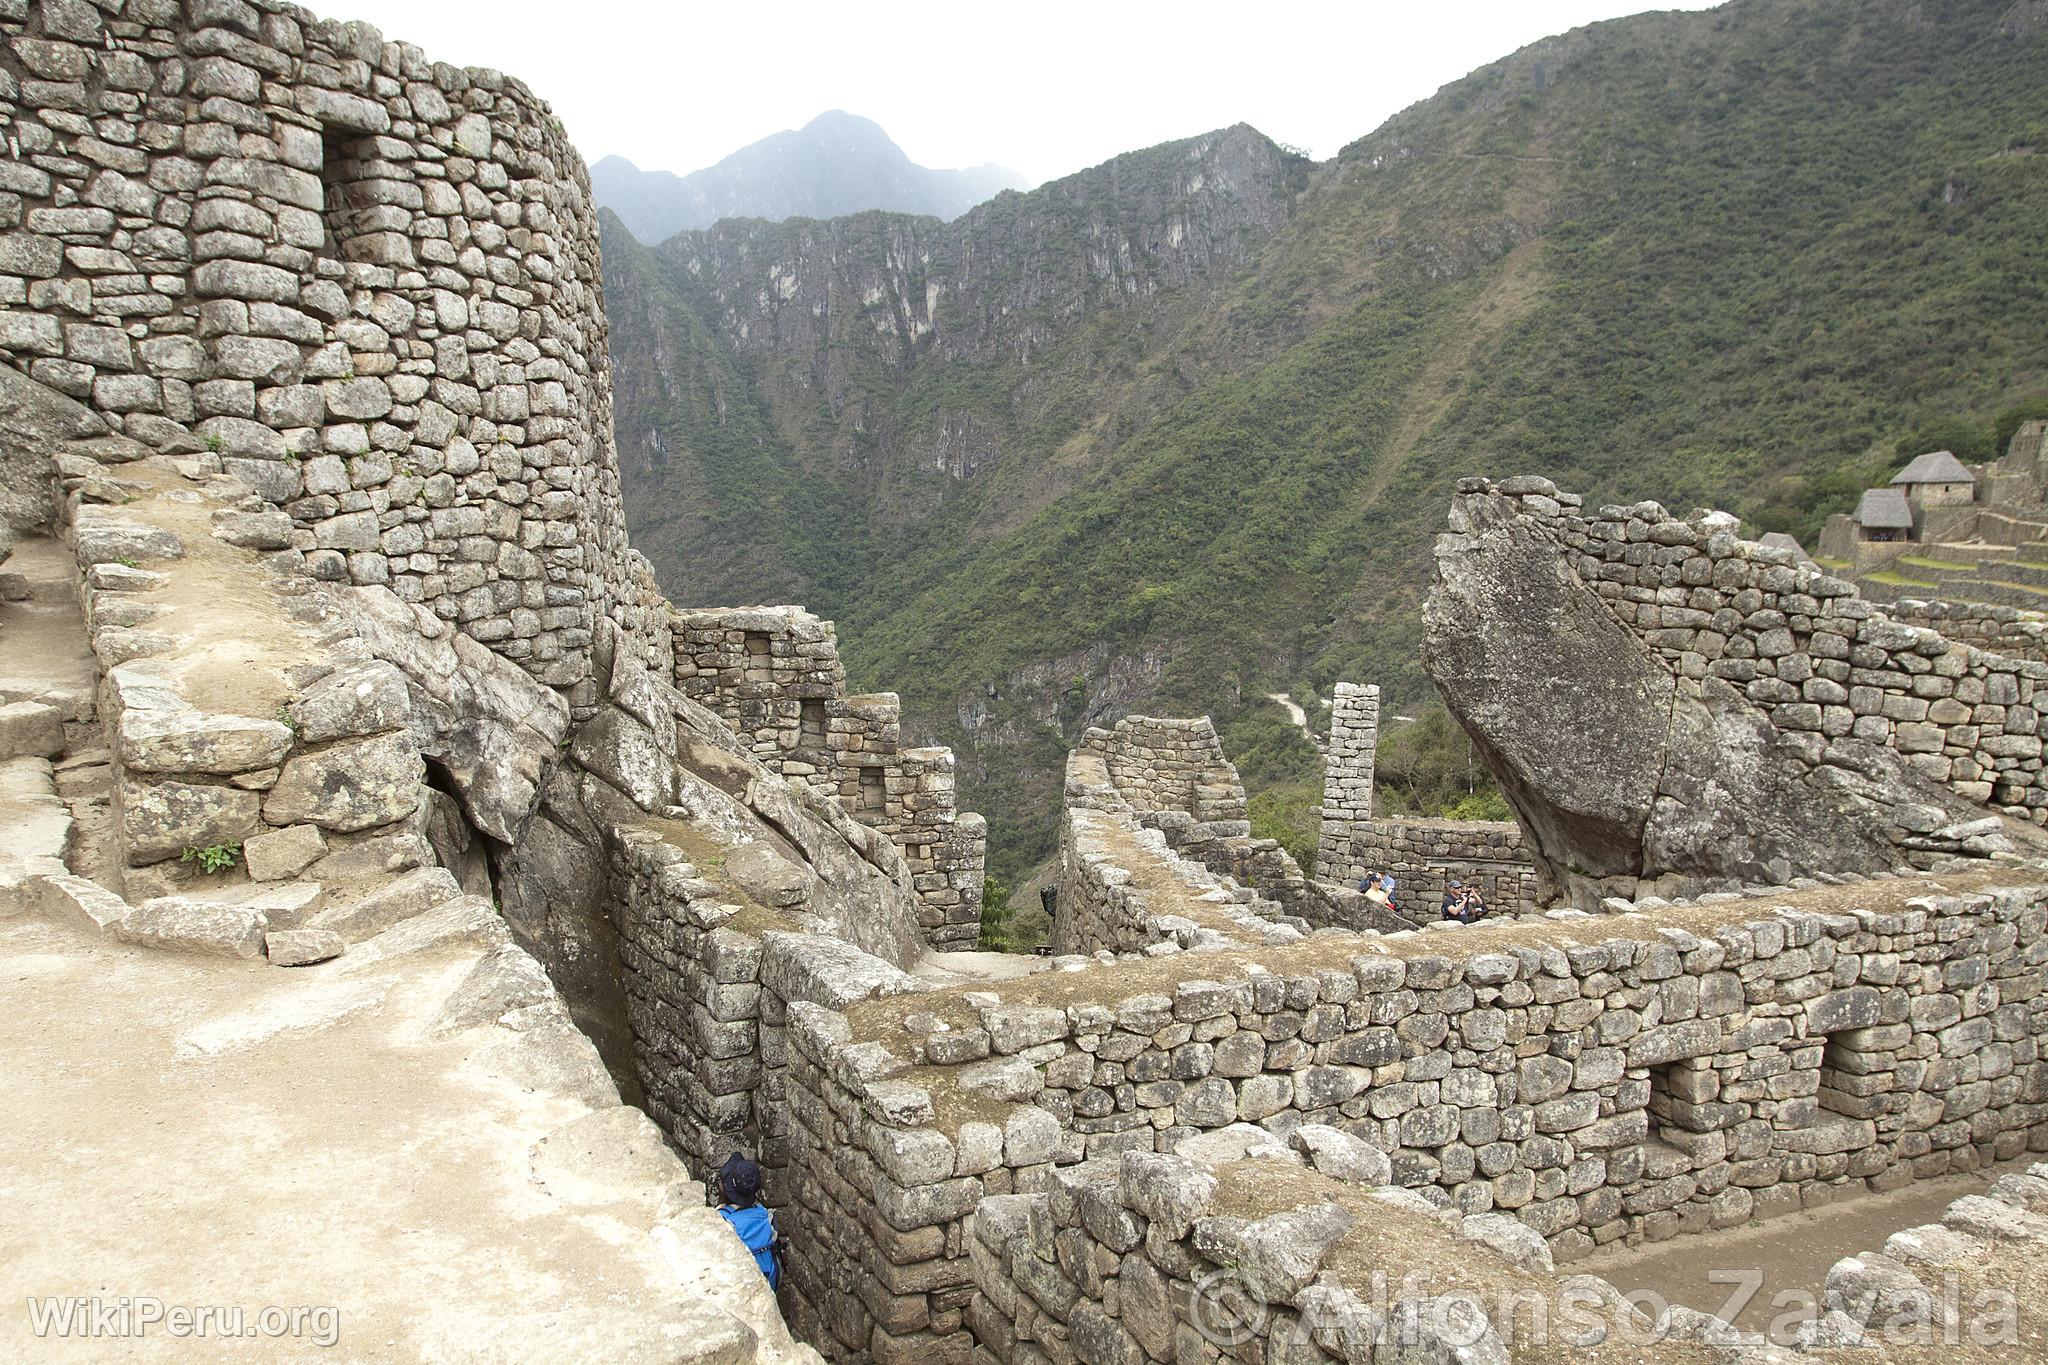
1731	258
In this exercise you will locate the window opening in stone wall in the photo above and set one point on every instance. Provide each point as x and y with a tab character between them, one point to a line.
760	658
346	214
811	724
874	793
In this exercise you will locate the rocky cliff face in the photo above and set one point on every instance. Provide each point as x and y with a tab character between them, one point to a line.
1001	282
849	371
836	164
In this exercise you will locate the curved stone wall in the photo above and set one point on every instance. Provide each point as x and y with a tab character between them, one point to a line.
367	282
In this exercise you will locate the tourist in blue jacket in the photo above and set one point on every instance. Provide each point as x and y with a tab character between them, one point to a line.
739	1194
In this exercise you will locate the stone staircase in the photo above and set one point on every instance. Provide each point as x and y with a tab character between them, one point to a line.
404	1138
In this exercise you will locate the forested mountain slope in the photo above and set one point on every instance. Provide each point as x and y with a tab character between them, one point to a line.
1177	432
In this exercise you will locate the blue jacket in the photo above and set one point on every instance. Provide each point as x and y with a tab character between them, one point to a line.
756	1228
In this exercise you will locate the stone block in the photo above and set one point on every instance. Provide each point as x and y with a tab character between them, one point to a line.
30	729
80	903
349	786
302	947
282	853
160	820
396	901
188	925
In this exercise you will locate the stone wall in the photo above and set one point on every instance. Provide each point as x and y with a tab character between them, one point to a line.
367	282
244	715
1805	648
1348	759
1591	1079
1245	1252
773	674
1160	793
1174	765
1731	717
708	980
1123	889
2010	632
1424	856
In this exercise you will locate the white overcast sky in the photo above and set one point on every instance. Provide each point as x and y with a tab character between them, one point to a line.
1046	88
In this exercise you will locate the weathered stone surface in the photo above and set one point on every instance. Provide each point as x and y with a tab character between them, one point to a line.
189	741
302	947
160	820
282	853
104	541
348	786
1341	1156
81	903
768	876
30	728
187	925
1280	1254
826	971
1684	783
505	979
266	530
482	719
389	904
365	699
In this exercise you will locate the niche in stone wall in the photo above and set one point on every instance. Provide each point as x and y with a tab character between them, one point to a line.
354	211
1855	1083
1685	1101
811	723
874	790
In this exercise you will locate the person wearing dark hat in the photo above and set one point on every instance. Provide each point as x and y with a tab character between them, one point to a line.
739	1203
1455	899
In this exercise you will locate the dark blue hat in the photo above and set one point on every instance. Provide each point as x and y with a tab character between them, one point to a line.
739	1181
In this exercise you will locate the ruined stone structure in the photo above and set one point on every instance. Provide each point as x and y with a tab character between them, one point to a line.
1348	757
1424	856
773	674
367	281
1599	1079
1952	532
304	435
1161	792
1756	720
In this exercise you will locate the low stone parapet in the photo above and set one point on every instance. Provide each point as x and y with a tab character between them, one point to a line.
1587	1079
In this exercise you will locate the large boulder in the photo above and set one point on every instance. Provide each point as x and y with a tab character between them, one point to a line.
1625	778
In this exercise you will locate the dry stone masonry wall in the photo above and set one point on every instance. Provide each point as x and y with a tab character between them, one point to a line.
773	674
1424	856
1156	854
368	282
1731	717
1601	1079
2006	631
1804	647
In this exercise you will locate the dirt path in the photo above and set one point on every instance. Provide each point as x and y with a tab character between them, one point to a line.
1785	1259
1294	712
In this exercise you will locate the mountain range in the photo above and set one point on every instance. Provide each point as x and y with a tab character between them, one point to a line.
1176	432
836	164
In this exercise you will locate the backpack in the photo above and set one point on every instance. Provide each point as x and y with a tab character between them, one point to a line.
755	1225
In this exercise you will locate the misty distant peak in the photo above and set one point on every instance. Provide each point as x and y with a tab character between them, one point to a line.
838	163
